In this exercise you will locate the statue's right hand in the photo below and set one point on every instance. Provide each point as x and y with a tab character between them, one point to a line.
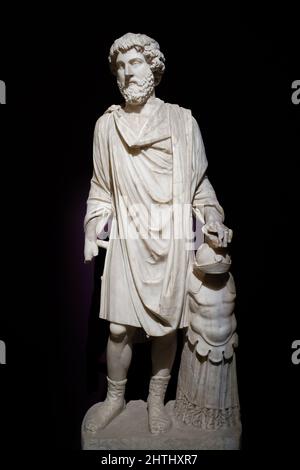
90	250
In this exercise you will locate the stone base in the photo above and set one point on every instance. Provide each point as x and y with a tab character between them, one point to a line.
129	431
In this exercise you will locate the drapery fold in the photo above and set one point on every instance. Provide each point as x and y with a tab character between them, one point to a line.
148	181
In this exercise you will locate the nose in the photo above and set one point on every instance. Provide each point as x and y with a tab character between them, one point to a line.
128	70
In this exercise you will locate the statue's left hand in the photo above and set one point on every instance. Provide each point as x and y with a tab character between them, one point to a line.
217	234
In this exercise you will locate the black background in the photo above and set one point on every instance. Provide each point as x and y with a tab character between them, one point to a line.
234	70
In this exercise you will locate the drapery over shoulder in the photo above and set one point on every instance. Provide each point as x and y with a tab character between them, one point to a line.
99	203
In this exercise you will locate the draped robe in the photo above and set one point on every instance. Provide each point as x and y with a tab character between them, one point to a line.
148	183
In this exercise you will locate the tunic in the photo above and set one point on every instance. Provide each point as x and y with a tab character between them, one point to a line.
148	183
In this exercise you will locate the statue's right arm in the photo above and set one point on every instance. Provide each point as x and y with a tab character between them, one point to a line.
99	200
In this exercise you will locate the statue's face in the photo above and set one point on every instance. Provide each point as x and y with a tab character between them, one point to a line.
134	76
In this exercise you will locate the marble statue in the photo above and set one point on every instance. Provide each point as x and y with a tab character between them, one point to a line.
149	181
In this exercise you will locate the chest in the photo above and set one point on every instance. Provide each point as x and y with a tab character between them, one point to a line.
136	122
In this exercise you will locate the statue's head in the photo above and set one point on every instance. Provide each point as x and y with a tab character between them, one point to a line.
138	64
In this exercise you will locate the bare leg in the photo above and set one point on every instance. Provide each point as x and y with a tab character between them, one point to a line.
163	354
119	352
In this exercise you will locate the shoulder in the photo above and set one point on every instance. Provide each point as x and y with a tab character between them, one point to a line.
103	121
180	113
112	108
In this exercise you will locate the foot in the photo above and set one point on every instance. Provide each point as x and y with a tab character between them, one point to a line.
104	414
159	420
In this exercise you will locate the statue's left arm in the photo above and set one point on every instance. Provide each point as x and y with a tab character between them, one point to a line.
206	207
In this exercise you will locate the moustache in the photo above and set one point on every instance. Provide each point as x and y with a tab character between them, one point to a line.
134	82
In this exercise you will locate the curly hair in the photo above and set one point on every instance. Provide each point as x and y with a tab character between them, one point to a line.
143	44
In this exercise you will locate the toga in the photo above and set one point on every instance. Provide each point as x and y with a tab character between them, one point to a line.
148	184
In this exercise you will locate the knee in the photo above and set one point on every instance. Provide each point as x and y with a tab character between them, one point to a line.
117	332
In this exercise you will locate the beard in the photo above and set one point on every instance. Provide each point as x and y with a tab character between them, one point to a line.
139	91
